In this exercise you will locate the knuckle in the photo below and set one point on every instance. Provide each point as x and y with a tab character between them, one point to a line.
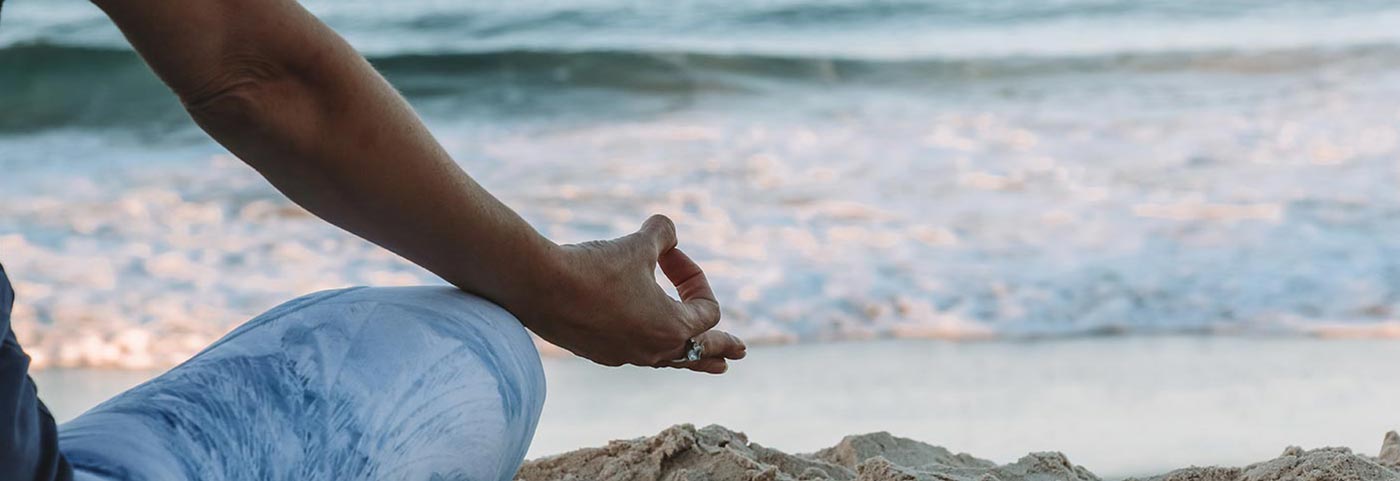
666	227
709	313
663	221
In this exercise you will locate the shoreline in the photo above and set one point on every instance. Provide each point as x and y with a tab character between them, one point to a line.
1123	406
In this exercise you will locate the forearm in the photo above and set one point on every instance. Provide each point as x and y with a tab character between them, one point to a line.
293	100
288	96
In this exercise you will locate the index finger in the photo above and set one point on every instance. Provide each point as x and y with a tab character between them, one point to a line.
697	298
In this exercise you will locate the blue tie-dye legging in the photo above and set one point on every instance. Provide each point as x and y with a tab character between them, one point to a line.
419	383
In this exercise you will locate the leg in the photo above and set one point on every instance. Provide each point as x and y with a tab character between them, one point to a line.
395	383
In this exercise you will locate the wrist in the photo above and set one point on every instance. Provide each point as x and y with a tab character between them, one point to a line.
538	274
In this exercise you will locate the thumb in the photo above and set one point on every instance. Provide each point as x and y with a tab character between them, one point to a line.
660	233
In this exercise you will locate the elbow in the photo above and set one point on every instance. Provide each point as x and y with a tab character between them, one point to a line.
267	104
236	91
255	111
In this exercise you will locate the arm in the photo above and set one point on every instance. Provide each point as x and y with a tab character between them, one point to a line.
288	96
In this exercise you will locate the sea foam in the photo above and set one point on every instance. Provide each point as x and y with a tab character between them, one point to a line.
892	180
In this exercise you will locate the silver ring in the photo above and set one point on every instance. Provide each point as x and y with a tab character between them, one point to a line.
693	351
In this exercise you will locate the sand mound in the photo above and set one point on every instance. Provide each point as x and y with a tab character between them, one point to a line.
713	453
1326	464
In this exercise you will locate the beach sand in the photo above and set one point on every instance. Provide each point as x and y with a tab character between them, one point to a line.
683	452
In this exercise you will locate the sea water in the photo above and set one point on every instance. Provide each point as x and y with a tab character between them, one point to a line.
843	169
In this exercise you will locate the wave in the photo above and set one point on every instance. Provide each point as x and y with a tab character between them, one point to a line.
77	86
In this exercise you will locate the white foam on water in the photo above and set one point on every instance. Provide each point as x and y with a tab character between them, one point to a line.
999	219
1198	192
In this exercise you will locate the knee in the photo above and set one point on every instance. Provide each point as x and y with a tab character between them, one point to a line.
408	324
488	385
386	364
400	333
445	317
402	361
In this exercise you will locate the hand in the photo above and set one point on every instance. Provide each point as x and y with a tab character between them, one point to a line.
604	304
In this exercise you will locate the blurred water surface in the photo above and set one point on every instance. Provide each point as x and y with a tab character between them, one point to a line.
843	169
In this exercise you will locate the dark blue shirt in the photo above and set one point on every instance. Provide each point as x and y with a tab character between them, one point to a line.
29	445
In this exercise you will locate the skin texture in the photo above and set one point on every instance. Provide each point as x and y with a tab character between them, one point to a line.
287	95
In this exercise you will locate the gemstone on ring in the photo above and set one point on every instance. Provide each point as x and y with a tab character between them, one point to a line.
693	351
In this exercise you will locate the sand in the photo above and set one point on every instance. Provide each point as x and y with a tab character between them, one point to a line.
684	453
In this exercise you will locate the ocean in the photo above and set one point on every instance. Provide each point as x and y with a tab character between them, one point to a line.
844	170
